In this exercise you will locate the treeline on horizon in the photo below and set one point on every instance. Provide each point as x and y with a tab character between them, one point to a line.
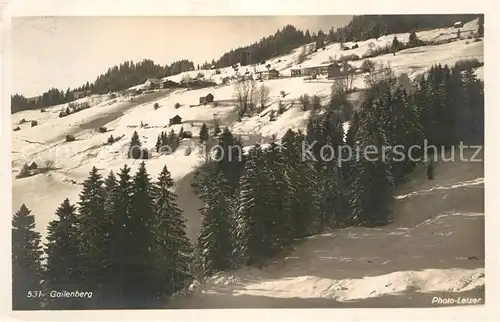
125	240
129	74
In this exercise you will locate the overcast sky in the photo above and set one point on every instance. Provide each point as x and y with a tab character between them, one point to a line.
66	52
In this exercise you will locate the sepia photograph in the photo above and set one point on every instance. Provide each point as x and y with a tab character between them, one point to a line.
247	162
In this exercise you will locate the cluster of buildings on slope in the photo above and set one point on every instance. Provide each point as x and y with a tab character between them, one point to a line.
330	70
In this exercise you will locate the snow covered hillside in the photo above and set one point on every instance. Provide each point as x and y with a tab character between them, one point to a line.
439	224
434	248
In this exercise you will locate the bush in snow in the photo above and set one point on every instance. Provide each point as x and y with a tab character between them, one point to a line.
21	121
367	66
281	108
70	138
111	139
34	123
24	172
464	64
315	103
271	116
156	106
283	94
103	129
177	105
17	128
305	102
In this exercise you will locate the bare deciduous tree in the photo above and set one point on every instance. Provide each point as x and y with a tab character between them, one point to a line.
245	91
343	83
380	74
263	95
301	57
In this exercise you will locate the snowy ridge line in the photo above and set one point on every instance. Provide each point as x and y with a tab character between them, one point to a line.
475	182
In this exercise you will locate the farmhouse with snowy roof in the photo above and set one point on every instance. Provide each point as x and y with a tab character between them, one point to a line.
330	70
152	83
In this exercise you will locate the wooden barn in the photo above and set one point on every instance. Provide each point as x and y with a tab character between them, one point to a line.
175	120
206	99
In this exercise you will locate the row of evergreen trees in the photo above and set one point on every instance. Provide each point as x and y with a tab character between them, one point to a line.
257	206
124	241
53	96
116	78
373	26
279	43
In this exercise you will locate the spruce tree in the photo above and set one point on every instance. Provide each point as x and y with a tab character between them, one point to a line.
91	230
158	143
372	184
173	140
204	137
279	199
26	267
300	171
407	133
217	129
230	158
174	248
63	265
117	243
143	274
215	239
180	135
135	146
252	241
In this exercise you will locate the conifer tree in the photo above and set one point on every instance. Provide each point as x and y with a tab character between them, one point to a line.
474	93
63	266
230	158
26	267
372	185
173	140
180	135
204	133
215	239
174	248
118	214
135	146
142	275
158	143
412	39
279	199
91	230
252	240
300	170
217	129
407	133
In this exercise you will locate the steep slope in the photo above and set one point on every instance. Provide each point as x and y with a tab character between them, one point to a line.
435	247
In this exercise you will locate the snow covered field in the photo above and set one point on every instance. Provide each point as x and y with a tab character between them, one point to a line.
347	265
